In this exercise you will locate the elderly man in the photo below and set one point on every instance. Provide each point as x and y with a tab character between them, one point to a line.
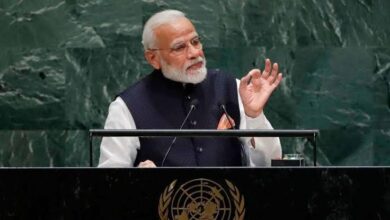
181	86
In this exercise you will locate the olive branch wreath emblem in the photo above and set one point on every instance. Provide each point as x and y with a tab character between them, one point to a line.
166	197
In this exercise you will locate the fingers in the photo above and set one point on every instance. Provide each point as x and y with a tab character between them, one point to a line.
246	80
146	164
277	80
224	123
267	69
270	73
274	73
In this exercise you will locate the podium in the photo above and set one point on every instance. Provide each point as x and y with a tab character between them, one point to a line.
177	193
311	135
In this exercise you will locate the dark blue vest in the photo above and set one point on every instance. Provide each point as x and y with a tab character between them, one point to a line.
156	102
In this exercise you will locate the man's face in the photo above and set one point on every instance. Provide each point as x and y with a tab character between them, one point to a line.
180	53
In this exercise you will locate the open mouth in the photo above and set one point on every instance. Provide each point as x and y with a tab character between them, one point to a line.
195	66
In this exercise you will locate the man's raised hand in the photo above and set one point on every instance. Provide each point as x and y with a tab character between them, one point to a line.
256	88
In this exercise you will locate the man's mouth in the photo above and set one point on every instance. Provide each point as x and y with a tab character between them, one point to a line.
195	66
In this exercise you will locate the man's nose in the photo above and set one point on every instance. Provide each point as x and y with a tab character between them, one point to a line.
193	52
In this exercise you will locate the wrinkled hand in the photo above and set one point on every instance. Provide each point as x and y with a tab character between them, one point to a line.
146	164
256	88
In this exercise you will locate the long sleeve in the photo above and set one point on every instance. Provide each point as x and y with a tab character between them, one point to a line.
118	151
266	148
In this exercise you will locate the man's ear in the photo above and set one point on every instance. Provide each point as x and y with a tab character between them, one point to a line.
153	59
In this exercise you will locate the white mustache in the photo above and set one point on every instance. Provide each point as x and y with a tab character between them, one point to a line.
192	62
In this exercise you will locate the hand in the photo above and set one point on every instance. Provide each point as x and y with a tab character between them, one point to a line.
224	122
256	88
147	164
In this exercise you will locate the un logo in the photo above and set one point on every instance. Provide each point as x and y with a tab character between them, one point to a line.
201	199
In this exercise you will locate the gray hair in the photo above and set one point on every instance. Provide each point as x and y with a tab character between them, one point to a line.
158	19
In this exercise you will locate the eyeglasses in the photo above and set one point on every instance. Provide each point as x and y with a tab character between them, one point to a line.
182	47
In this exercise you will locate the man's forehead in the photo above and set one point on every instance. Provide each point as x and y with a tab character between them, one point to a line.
176	31
184	38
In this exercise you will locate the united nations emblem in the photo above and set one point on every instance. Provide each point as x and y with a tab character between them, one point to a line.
201	199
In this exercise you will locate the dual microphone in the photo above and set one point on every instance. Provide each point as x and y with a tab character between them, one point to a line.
193	105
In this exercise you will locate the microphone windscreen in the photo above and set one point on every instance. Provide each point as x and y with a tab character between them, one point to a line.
222	107
195	103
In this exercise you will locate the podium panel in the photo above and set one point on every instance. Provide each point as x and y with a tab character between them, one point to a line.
195	193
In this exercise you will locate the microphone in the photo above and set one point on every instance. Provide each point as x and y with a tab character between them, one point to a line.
243	152
222	106
194	104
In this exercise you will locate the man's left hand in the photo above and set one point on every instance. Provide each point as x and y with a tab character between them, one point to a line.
256	87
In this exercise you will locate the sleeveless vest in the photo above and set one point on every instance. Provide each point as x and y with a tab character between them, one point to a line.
156	102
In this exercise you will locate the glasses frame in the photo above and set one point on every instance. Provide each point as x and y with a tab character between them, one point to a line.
182	47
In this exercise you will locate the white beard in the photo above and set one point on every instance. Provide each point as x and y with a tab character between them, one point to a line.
182	75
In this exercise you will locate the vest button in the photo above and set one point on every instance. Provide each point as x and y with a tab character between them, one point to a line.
193	123
199	149
188	97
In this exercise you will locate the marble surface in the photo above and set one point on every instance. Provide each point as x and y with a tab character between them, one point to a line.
63	62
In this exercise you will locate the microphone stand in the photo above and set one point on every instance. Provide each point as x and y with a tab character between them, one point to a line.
244	155
193	106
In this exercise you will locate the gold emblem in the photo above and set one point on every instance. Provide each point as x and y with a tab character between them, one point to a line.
201	199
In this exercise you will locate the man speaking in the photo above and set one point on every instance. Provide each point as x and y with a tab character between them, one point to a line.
182	94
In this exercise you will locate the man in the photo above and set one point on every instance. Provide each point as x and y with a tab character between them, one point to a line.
180	83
